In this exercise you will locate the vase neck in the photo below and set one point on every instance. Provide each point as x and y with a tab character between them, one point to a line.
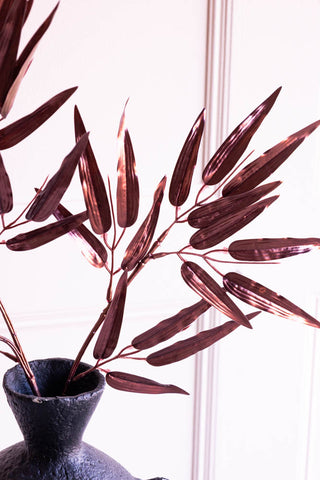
52	424
56	426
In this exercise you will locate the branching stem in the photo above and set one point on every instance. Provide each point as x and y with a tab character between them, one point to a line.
179	218
83	348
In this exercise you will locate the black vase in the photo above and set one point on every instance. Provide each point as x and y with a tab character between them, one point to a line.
53	425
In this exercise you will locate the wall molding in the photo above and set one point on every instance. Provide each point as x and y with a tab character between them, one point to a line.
70	316
216	100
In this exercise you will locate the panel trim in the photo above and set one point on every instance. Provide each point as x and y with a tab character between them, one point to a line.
216	100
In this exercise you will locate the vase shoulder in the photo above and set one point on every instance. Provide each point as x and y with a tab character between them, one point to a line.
53	425
87	463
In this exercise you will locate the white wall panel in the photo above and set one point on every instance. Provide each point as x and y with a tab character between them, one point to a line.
257	408
262	425
154	53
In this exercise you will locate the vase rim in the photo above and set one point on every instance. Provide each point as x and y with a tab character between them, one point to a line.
98	380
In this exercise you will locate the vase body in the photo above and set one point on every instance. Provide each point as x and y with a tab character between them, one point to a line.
53	425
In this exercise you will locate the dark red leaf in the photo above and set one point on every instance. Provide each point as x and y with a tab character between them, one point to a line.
91	248
4	7
29	4
17	131
265	299
128	186
227	225
233	147
140	243
183	171
35	39
24	62
185	348
48	200
203	216
262	167
208	289
93	187
133	383
10	356
110	330
170	326
43	235
265	249
6	201
9	42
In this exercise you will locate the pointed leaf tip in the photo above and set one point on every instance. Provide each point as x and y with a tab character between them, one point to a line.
22	128
48	200
262	167
136	384
41	236
209	213
226	226
183	171
267	249
24	61
127	185
208	289
93	187
234	146
170	326
261	297
186	348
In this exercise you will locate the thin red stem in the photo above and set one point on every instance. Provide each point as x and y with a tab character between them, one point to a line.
19	352
120	238
8	227
100	362
142	263
213	268
14	222
83	348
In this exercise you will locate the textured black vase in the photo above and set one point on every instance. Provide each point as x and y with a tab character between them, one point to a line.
53	426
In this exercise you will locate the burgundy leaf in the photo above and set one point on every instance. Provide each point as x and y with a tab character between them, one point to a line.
29	4
203	216
133	383
183	172
185	348
128	186
226	226
43	235
140	243
9	42
17	131
91	248
6	201
265	299
4	7
233	147
262	167
170	326
24	62
110	330
93	187
265	249
10	356
48	200
208	289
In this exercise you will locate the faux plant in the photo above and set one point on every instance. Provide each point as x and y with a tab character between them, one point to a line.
230	197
